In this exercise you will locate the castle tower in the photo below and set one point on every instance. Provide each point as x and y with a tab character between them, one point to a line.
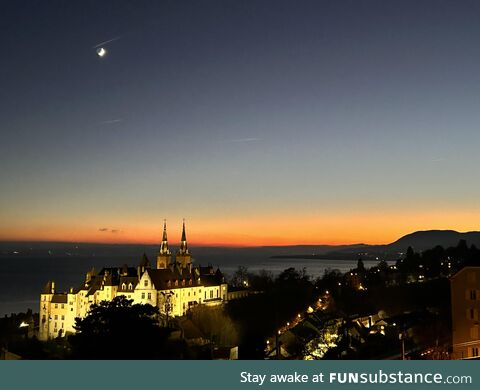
184	259
142	266
164	257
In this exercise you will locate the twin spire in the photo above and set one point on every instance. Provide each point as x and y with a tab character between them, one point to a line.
164	250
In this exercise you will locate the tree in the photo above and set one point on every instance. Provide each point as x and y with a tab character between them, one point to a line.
261	281
215	324
360	266
118	329
240	277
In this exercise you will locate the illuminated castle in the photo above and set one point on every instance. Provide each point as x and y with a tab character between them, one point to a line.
172	286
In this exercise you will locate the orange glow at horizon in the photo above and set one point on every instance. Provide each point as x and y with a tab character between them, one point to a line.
344	228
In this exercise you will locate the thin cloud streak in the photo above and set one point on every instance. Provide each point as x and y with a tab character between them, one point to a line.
108	230
241	140
111	121
106	42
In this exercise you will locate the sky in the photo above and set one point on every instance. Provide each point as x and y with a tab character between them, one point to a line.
259	122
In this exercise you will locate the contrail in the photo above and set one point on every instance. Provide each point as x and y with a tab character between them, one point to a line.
104	43
109	121
243	140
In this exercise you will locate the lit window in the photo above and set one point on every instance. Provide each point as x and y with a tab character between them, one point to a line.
124	286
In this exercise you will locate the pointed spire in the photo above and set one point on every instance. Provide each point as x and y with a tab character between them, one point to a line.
184	236
164	245
164	230
183	244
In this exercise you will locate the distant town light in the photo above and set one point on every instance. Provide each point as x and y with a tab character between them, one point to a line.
23	324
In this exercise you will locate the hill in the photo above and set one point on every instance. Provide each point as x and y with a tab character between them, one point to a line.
422	240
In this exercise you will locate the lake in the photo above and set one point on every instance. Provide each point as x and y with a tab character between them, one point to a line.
23	277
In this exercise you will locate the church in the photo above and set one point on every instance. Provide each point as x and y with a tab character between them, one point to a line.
173	285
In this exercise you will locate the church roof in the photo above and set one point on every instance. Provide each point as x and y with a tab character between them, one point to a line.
164	279
211	280
59	298
133	280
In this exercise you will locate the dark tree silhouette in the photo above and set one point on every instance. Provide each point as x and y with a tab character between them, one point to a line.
240	277
360	266
119	330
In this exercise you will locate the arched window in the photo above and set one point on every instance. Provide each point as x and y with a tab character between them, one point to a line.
130	286
124	286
